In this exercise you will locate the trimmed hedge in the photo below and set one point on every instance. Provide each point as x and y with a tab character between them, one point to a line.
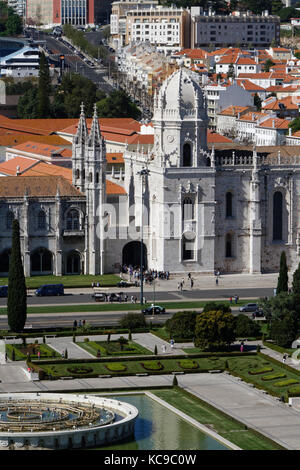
285	383
260	371
273	377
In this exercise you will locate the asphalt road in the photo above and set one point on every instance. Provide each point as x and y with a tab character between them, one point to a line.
74	63
185	295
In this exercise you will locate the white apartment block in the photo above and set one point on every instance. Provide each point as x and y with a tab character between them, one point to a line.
118	18
245	29
220	96
167	28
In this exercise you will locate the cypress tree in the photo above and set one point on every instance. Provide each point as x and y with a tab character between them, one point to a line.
283	278
17	295
296	282
44	89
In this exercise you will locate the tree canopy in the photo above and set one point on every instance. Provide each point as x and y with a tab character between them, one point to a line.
10	22
182	325
214	330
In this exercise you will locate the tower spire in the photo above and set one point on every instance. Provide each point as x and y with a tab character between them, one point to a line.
81	133
95	137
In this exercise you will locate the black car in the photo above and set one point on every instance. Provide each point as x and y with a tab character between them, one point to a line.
154	309
115	297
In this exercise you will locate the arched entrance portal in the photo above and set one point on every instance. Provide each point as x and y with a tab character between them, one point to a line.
131	254
73	263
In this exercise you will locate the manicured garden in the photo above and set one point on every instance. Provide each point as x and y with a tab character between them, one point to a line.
20	352
113	348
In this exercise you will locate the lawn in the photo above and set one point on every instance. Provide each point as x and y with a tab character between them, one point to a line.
221	423
113	348
34	282
21	351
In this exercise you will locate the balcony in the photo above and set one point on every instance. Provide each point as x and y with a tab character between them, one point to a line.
73	233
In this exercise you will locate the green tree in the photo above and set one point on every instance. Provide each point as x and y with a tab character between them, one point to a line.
17	295
182	325
214	306
44	89
132	321
284	330
118	104
296	282
214	330
268	64
27	104
295	125
246	327
283	278
257	102
14	25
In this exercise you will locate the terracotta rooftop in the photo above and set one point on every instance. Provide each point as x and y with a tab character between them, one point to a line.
275	123
215	138
11	139
234	110
114	188
114	158
44	169
37	186
10	167
46	150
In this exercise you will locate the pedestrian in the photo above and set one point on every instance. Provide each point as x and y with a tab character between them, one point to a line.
63	355
217	281
132	299
242	347
79	324
98	353
39	354
236	299
163	348
172	342
192	283
284	358
75	324
5	357
230	300
83	322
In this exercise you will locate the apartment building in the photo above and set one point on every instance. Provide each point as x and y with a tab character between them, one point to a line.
19	6
119	10
59	12
242	29
168	28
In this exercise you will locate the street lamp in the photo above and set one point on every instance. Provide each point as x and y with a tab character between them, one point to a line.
143	173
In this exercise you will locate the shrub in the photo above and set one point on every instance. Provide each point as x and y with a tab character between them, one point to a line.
152	365
188	364
115	367
260	371
273	376
182	325
285	383
80	370
175	381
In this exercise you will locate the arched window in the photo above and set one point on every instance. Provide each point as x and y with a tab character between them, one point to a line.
9	219
41	222
188	209
229	204
90	177
73	220
4	261
187	155
73	263
41	261
77	174
208	162
228	246
97	177
277	215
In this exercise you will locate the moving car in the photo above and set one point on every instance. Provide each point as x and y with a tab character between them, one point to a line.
50	289
100	297
156	309
249	308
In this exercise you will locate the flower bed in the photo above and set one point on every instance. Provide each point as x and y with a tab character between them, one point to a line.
285	383
152	365
80	370
188	364
263	370
115	367
273	376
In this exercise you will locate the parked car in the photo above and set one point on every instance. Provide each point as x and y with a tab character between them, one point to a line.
50	289
115	297
156	309
258	313
249	308
124	284
3	291
100	297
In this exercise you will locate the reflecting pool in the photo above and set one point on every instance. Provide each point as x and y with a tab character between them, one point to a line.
158	428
